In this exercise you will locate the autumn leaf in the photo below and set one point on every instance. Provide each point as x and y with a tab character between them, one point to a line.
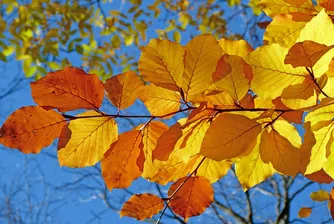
314	30
275	7
123	89
84	141
160	101
230	136
68	89
235	47
277	150
320	176
161	63
271	75
202	55
320	195
285	28
211	169
192	198
326	4
237	82
331	199
142	206
119	165
31	128
166	142
304	212
251	170
322	112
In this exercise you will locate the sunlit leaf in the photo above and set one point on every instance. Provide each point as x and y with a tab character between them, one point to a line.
161	63
251	170
123	89
30	129
275	7
160	101
142	206
192	198
235	47
202	55
119	165
331	199
211	169
271	75
229	136
84	141
68	89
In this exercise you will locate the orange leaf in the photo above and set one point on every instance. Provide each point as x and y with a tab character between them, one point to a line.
278	150
161	63
84	141
119	165
166	142
306	53
331	199
327	4
31	128
202	55
304	212
192	198
230	136
320	195
68	89
142	206
276	7
123	89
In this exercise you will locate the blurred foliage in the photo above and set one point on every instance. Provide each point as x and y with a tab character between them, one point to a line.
49	35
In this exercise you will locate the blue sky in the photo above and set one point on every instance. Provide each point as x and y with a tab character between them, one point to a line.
82	201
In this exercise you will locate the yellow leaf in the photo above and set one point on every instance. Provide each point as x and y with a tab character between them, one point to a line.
235	47
161	63
304	212
316	145
322	112
189	144
314	30
301	95
329	165
85	140
329	87
160	101
230	136
250	170
211	169
177	36
192	198
236	82
31	128
220	99
276	7
279	151
142	206
285	29
271	75
119	165
202	55
123	89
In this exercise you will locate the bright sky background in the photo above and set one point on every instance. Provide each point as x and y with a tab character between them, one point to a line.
76	206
